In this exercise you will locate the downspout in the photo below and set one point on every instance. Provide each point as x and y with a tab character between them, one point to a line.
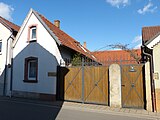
152	80
5	73
11	75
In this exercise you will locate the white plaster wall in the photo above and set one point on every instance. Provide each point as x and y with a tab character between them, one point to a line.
4	35
156	60
46	63
43	38
48	58
154	42
148	87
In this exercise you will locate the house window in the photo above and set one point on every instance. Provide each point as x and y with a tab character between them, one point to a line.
0	46
31	69
32	34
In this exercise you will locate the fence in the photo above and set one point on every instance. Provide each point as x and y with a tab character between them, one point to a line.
90	82
89	62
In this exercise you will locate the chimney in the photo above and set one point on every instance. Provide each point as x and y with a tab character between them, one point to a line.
57	23
84	44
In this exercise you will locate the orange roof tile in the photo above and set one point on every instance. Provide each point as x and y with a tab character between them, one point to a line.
149	32
117	56
9	24
65	39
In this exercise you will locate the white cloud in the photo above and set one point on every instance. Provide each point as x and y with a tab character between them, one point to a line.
138	41
6	11
147	8
118	3
138	46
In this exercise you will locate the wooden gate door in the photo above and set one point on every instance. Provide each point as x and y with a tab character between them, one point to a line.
87	84
96	84
73	84
132	86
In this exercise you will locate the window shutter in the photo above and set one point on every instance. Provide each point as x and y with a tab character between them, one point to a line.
26	69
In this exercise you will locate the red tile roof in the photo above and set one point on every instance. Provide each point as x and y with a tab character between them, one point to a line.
66	40
9	24
117	56
149	32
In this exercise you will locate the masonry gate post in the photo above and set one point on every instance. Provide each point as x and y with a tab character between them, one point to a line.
115	85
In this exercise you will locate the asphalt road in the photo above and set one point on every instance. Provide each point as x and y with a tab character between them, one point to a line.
18	110
15	110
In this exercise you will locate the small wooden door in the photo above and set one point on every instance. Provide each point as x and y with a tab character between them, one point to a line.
132	86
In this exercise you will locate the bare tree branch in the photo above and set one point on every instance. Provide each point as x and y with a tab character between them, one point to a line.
132	52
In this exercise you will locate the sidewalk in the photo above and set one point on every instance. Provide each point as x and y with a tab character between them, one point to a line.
89	107
110	110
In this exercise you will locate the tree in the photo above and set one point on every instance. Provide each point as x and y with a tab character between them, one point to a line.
132	52
76	60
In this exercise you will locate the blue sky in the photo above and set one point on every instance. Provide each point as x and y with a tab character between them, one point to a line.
98	22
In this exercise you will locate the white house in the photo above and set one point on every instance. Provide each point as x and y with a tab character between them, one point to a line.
37	51
151	52
7	35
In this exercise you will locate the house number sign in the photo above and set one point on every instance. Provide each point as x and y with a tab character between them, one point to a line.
52	74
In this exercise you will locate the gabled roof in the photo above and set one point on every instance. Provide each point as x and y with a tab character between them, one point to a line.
9	24
117	56
65	39
58	35
150	32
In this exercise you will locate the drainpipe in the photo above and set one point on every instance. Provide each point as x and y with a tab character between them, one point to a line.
152	80
5	72
11	77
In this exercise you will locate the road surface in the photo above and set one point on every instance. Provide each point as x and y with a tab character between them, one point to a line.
23	110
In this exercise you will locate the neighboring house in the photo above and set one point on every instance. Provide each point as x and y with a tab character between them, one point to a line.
7	35
118	56
40	47
151	54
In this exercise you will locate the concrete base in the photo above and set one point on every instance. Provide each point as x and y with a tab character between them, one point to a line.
31	95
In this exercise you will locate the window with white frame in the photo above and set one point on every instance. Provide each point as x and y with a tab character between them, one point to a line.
33	33
32	66
31	69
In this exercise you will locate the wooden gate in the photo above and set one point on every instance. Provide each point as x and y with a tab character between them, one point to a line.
132	86
87	84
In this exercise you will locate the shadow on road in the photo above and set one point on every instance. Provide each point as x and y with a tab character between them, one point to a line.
23	109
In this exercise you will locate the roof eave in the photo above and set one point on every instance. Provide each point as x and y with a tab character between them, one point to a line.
5	24
151	40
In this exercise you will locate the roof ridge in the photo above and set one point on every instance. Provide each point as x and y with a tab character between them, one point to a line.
113	50
150	26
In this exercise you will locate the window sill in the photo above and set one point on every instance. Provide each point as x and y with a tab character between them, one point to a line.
30	81
30	41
